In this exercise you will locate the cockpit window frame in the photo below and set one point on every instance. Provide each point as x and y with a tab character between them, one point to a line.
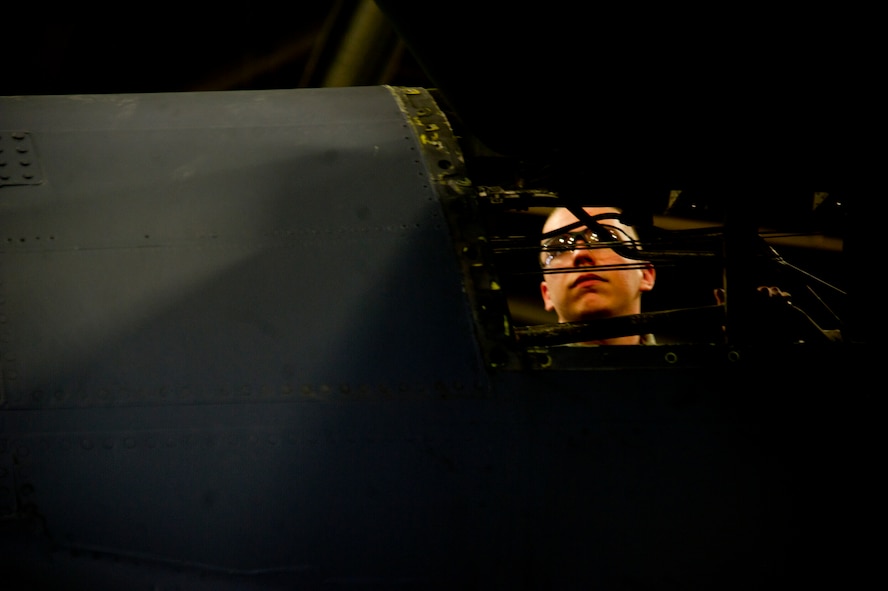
506	346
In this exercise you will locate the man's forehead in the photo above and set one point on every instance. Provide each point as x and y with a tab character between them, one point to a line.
563	216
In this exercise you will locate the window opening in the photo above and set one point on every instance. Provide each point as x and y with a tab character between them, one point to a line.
702	262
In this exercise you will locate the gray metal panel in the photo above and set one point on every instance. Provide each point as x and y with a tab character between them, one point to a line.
233	332
216	244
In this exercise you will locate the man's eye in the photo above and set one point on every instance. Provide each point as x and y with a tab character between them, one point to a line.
609	235
563	243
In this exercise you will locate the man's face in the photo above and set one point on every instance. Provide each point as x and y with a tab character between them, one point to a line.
593	293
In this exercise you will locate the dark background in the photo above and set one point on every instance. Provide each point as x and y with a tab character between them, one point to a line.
261	48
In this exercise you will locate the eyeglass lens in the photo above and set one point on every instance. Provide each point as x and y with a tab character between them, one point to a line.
567	242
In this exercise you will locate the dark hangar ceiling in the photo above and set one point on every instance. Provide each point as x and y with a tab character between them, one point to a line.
312	44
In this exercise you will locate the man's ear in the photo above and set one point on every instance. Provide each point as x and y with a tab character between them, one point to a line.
648	277
547	301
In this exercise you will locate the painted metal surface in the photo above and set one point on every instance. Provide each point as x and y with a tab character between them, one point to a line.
262	238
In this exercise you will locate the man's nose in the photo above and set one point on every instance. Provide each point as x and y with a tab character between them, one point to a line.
584	253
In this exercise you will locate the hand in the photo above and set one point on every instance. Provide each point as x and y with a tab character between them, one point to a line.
765	294
778	319
774	294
